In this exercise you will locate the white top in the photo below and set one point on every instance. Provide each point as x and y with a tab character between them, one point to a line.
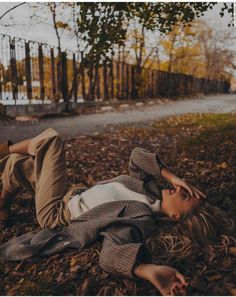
109	192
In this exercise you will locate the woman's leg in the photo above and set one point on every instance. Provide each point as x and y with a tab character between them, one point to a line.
20	147
42	172
50	179
17	171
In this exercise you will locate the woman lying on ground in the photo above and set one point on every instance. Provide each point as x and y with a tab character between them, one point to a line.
123	210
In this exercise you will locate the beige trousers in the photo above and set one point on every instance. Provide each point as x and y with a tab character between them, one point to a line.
43	173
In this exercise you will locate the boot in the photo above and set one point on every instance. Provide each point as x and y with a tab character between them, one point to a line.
4	149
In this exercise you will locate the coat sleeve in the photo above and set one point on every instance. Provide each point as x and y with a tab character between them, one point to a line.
122	249
143	164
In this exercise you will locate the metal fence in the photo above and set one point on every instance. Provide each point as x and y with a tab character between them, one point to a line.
35	71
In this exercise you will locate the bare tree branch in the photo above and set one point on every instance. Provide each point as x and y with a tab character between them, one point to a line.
14	7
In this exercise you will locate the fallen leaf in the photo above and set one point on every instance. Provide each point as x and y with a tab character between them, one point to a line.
74	260
223	165
227	262
232	251
214	277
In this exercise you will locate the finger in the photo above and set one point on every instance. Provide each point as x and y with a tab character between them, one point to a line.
196	194
180	277
184	291
175	186
163	290
181	289
185	194
200	193
176	291
189	190
172	292
178	189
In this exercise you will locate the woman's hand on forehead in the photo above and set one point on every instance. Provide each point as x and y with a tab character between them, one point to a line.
185	194
179	183
195	193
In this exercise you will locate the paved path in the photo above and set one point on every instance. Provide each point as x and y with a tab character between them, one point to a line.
89	124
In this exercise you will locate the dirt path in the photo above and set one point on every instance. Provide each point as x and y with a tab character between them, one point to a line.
93	123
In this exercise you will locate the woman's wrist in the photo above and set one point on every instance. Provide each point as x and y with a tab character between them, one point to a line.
166	173
142	271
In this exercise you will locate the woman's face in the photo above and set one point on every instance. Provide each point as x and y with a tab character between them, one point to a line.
175	205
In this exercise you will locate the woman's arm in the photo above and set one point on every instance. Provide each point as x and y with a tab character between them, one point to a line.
179	183
166	279
143	163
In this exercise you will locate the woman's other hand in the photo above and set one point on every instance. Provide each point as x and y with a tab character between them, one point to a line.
179	183
166	279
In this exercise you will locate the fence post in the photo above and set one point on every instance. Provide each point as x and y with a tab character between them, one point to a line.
28	70
146	86
75	80
105	84
82	76
1	79
118	80
111	74
133	83
127	81
64	82
53	74
41	72
122	80
155	84
97	79
14	79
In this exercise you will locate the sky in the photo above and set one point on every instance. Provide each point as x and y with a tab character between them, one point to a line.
37	31
18	23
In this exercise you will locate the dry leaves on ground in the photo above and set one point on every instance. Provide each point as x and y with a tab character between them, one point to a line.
200	148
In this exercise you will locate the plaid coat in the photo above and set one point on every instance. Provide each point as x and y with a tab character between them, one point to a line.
124	225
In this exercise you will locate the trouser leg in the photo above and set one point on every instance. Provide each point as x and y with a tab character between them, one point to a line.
18	171
51	198
43	172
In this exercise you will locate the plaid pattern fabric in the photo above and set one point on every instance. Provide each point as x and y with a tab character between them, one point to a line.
143	167
124	225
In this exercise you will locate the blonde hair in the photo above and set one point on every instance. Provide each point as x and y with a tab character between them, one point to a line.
201	228
205	224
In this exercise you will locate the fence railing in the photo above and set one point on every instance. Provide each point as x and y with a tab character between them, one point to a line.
35	71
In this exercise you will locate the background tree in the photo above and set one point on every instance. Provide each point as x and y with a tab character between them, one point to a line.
217	51
161	17
199	50
102	27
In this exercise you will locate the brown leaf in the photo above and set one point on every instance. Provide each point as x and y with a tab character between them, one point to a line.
227	262
223	165
85	287
232	251
74	260
214	277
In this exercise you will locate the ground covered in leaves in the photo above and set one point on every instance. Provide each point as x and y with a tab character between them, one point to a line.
201	148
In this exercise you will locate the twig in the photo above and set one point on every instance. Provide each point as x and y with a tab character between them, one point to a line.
11	9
